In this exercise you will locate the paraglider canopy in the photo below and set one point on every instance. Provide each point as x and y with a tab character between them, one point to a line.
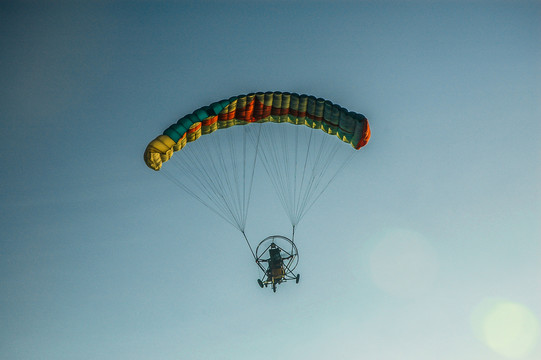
301	161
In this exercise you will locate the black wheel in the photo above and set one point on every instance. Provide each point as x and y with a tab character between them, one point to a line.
260	283
273	287
297	278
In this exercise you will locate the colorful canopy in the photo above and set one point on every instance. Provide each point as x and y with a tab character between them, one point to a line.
278	107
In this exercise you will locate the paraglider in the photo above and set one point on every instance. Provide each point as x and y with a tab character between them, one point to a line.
301	161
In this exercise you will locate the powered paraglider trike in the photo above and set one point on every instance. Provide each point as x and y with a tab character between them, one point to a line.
300	140
277	257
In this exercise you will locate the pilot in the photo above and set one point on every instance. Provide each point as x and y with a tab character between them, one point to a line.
276	270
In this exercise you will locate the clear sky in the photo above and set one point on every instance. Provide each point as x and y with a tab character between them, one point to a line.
426	247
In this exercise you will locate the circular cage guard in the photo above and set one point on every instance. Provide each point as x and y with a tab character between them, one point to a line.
286	246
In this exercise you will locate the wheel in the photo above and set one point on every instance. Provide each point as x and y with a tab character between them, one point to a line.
260	283
273	287
297	278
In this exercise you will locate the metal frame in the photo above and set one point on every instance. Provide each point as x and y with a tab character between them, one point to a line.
290	263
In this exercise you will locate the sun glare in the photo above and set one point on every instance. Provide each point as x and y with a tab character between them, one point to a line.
403	263
509	329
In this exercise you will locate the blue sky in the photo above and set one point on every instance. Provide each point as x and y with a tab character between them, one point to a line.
426	247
